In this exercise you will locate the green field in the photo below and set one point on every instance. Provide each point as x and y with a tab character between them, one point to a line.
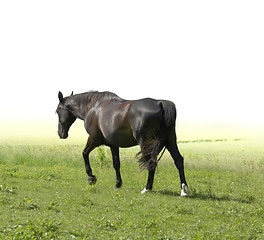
44	193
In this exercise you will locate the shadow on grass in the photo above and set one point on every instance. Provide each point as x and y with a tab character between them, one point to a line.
213	197
209	196
167	193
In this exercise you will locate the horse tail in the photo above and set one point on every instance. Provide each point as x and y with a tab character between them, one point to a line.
152	148
169	113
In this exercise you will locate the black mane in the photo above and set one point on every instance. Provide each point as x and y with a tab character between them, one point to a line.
106	95
95	96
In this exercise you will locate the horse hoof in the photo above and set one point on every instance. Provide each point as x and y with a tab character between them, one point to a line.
184	191
118	185
145	190
92	180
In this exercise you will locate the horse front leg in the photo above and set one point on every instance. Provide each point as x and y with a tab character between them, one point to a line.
116	163
89	147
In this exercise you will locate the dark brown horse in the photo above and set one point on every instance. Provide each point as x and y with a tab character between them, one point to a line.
112	121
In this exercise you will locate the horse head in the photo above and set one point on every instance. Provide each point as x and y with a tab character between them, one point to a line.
66	118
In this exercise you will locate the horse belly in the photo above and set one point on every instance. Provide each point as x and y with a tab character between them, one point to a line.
115	126
121	137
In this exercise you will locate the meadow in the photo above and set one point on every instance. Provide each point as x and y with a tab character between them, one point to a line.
44	193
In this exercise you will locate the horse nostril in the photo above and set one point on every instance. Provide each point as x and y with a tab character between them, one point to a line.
60	134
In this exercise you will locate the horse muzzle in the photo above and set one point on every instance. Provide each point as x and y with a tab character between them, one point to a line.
62	135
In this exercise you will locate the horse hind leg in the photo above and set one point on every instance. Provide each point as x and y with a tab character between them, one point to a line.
150	155
179	163
151	174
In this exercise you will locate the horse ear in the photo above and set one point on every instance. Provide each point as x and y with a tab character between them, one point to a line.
72	93
60	96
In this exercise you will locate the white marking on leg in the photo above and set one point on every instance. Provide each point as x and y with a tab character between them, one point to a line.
145	190
184	191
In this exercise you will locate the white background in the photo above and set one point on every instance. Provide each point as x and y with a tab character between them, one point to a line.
206	56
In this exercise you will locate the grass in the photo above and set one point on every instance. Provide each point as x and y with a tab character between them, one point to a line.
44	194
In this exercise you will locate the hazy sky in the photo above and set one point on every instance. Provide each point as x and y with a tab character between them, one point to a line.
206	56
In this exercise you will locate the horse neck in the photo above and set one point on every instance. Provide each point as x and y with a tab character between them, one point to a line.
80	106
84	102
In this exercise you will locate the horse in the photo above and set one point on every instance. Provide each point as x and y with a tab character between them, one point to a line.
118	123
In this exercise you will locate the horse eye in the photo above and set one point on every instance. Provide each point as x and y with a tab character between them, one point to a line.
58	109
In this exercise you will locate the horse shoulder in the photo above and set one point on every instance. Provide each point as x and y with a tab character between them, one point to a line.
91	122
